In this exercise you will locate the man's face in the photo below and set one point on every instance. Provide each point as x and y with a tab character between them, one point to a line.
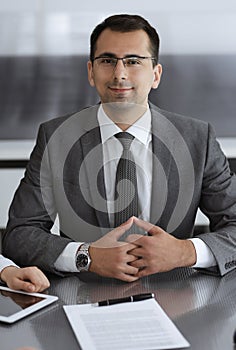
126	84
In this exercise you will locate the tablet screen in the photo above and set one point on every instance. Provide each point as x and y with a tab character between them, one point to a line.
15	305
11	302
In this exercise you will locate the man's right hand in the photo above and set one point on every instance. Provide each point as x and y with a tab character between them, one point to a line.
29	279
111	258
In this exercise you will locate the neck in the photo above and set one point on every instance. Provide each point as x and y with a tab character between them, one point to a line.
124	114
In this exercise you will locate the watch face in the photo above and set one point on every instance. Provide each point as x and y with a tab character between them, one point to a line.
82	260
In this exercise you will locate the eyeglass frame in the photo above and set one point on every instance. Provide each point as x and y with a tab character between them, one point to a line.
124	58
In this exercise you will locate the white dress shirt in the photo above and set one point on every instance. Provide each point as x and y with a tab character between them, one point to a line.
141	149
4	262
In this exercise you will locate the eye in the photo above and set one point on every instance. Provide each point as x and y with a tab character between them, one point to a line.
133	61
107	61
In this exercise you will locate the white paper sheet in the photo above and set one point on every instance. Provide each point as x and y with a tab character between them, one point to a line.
141	325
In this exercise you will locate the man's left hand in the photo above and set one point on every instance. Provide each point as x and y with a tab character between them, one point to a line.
159	251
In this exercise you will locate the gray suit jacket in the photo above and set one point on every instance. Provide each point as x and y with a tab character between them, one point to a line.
65	177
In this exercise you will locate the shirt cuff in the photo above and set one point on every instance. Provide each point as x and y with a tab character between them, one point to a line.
66	260
6	263
205	257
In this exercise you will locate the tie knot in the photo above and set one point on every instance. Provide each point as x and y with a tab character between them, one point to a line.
125	139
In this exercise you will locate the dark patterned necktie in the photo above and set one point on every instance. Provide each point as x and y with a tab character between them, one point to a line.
126	191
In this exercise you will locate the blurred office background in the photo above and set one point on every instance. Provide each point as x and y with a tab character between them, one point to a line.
44	47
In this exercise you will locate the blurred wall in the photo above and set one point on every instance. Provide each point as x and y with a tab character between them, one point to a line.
59	26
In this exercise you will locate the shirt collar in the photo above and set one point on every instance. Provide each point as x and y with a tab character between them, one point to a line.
141	129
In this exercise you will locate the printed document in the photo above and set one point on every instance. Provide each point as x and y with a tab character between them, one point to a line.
141	325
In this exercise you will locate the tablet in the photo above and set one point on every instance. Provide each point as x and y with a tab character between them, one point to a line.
15	305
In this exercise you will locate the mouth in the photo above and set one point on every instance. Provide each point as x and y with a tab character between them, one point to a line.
121	90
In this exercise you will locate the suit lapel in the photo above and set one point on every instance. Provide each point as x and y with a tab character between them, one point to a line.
162	145
93	164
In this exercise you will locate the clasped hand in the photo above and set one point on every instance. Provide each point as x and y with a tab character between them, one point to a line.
139	255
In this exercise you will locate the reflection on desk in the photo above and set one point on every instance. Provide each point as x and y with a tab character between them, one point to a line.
202	307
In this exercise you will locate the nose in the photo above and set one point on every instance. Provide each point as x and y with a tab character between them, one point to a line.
120	71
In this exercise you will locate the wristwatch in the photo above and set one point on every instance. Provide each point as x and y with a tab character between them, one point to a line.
82	259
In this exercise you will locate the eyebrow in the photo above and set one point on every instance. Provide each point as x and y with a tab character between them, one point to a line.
112	55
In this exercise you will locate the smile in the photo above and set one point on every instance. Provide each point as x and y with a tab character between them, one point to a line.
120	90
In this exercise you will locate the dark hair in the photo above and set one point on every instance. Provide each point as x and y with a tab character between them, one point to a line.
126	23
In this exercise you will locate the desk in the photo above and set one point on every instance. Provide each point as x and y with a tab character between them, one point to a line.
202	307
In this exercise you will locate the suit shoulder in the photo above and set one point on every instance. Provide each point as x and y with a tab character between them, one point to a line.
188	126
182	120
56	121
51	125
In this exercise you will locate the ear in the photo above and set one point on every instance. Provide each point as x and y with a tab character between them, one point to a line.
90	73
157	72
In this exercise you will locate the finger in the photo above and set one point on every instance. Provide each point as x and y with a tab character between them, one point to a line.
129	274
136	252
131	257
146	226
18	284
120	230
133	238
128	278
39	286
34	277
138	264
145	271
29	287
130	220
130	270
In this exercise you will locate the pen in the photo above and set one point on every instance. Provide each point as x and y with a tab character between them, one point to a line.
131	298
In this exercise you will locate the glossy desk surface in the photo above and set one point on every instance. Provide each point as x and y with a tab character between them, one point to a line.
202	307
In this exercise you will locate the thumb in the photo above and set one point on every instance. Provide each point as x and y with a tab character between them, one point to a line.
120	230
30	287
23	285
146	226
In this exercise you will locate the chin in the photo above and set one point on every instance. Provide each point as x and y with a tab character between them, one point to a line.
120	104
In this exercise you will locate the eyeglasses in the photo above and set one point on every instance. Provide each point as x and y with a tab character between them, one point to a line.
135	62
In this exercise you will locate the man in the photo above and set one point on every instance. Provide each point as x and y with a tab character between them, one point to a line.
29	279
73	173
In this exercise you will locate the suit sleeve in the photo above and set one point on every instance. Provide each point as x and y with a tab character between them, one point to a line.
218	203
28	240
